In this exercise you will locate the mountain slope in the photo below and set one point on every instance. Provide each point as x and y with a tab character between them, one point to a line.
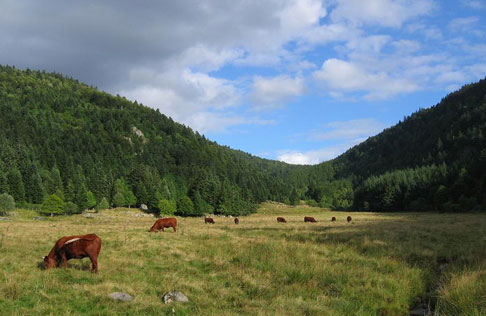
434	159
61	136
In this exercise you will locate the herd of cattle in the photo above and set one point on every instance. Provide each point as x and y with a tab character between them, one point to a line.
82	246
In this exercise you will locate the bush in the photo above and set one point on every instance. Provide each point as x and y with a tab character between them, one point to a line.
185	207
71	208
103	205
168	207
7	203
53	205
311	202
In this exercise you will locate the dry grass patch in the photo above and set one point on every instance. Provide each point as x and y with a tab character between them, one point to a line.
376	265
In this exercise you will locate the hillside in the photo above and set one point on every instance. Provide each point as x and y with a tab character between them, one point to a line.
434	159
62	137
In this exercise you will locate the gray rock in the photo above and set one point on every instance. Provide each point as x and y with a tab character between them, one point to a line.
3	218
143	207
174	296
38	218
120	296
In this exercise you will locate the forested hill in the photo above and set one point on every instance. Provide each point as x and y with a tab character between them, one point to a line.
67	146
434	160
67	141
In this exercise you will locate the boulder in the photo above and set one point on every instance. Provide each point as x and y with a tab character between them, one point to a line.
143	207
3	218
120	296
174	296
38	218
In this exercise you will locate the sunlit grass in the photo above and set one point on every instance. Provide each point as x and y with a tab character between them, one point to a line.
379	264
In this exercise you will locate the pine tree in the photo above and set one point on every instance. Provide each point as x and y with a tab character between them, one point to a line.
16	185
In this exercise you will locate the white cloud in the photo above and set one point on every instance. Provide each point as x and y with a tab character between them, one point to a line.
475	4
345	76
463	24
186	96
272	92
349	130
313	157
389	13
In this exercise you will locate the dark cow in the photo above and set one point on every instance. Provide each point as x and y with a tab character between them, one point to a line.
281	220
333	219
349	219
237	221
162	223
309	219
208	220
74	247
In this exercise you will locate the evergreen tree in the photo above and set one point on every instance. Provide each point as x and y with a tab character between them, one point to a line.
16	185
103	205
91	200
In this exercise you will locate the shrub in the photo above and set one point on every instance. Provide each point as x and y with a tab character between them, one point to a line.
185	207
7	203
103	205
168	207
311	202
71	208
53	204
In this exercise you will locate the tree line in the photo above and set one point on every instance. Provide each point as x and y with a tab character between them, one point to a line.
66	147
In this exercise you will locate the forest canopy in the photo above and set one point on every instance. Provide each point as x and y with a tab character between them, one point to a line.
67	147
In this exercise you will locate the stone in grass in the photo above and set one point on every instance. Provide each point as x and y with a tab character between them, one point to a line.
3	218
174	296
120	296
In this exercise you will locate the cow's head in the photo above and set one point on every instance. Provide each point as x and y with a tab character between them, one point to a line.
49	262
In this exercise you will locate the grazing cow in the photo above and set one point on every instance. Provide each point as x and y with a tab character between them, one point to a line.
74	247
208	220
281	220
237	221
309	219
333	219
162	223
349	219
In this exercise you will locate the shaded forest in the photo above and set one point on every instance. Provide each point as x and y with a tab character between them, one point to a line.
66	147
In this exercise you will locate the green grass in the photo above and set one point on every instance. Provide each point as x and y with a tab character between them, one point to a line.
380	264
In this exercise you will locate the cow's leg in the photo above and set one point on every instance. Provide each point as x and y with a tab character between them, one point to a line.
64	260
174	229
94	264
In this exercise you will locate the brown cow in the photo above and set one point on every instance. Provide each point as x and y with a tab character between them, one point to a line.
333	219
208	220
309	219
237	221
349	219
162	223
74	247
281	220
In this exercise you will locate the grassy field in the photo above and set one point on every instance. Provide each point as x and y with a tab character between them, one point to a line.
380	264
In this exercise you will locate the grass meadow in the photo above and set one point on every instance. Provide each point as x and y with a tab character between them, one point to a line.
379	264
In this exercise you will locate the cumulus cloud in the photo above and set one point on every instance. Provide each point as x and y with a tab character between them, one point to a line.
111	44
272	92
388	13
341	75
312	157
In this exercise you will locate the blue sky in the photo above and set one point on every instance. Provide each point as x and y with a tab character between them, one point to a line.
295	80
